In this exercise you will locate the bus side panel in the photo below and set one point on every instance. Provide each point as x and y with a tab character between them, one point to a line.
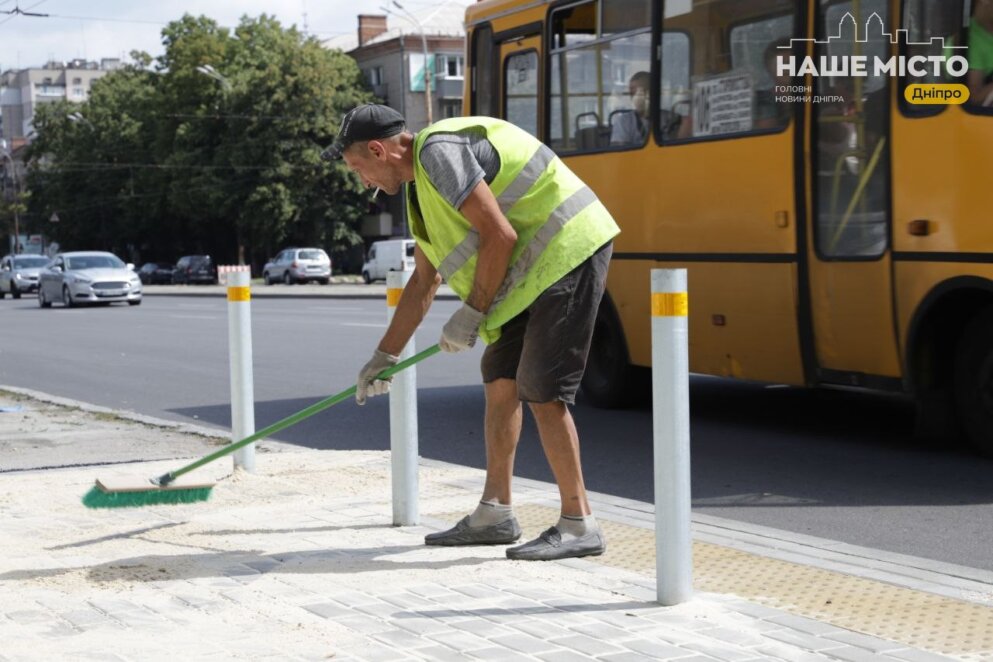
941	174
709	198
757	339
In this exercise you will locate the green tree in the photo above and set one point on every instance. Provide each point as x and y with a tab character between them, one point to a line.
214	147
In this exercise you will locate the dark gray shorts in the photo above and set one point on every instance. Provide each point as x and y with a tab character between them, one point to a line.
545	348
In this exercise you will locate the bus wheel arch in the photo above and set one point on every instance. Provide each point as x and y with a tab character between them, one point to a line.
937	331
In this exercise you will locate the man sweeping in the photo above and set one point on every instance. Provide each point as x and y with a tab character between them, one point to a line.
525	244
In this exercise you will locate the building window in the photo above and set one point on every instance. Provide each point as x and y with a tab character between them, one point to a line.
374	75
77	81
451	109
78	92
49	90
450	66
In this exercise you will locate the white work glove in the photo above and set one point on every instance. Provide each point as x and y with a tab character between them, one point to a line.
367	383
460	331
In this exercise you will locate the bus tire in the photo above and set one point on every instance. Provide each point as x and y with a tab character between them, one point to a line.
974	382
607	381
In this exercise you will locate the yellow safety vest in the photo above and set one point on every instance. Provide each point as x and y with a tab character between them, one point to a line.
558	219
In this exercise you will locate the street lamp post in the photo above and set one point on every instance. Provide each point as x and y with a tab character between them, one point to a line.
17	220
424	47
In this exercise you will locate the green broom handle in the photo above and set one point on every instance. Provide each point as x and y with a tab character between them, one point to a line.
165	479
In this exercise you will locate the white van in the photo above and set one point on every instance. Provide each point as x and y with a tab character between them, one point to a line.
387	256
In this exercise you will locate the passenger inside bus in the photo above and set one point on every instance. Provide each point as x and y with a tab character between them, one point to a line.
629	126
980	76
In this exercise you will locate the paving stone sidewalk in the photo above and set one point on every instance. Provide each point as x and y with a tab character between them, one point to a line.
299	561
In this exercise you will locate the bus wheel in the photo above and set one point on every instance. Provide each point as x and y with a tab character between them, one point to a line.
974	382
606	382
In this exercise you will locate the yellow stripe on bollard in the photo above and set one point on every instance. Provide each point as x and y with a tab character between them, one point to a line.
239	294
670	304
393	296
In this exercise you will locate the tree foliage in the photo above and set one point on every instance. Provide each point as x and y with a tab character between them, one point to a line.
212	147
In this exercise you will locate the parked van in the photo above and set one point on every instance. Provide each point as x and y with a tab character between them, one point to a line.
387	256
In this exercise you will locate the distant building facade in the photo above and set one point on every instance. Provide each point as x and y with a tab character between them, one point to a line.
23	90
390	52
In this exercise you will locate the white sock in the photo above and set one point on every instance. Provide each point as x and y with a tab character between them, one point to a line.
571	527
488	513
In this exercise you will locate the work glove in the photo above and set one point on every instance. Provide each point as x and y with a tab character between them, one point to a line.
460	331
367	383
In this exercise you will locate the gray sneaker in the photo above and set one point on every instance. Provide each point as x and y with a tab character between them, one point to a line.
549	547
503	533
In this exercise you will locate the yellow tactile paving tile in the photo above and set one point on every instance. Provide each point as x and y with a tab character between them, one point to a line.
914	618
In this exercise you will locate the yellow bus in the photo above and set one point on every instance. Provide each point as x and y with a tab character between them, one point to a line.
834	232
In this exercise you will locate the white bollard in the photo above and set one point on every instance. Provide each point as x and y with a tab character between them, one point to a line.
240	348
403	420
671	422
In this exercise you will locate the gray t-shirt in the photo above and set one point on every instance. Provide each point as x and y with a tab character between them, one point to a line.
455	162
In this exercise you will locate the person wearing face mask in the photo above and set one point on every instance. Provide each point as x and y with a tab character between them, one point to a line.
630	126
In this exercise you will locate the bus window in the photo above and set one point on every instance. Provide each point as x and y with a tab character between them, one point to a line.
934	27
521	86
756	47
852	150
731	87
601	53
675	102
484	98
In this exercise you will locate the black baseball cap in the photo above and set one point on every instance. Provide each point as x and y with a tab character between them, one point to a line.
369	122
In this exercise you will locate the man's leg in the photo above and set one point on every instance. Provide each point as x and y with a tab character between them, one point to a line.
556	345
493	521
561	444
503	431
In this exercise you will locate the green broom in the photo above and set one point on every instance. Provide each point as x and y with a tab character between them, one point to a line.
161	490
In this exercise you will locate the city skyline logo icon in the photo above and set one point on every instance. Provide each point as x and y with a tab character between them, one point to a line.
900	36
938	59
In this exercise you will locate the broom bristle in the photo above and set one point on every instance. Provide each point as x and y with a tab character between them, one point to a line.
97	498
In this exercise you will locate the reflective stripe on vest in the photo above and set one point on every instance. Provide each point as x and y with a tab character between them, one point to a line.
526	178
561	215
565	212
459	255
522	183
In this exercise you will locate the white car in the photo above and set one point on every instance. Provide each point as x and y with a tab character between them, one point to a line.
19	274
298	265
88	277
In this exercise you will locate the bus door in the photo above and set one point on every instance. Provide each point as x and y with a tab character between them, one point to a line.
850	264
519	67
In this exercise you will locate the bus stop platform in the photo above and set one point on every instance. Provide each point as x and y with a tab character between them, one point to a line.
300	561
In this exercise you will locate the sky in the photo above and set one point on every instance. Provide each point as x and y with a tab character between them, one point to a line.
97	29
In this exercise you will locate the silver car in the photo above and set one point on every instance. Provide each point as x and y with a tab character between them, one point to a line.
19	274
88	277
298	265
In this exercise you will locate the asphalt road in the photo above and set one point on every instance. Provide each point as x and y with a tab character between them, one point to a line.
825	463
